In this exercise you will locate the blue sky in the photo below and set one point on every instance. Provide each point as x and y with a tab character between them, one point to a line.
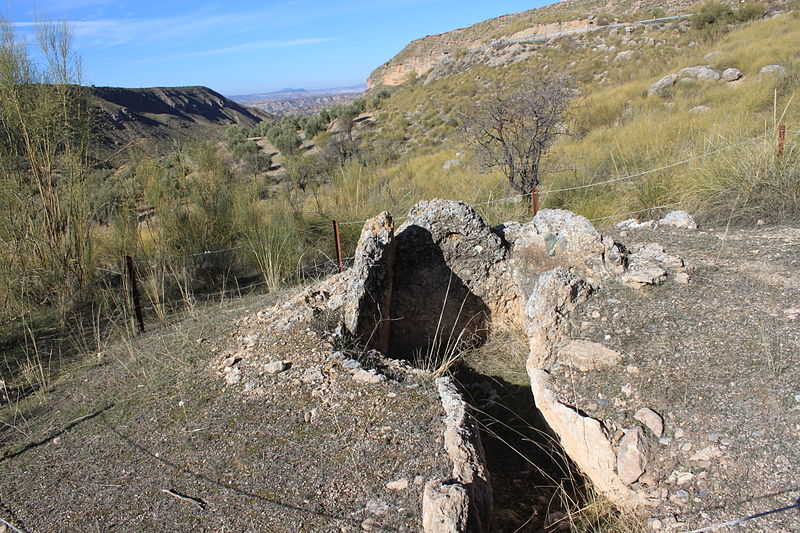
239	47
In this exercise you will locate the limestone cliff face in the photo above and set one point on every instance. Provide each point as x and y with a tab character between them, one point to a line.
488	41
422	55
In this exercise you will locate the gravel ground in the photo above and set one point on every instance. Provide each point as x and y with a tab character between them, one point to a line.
718	359
153	435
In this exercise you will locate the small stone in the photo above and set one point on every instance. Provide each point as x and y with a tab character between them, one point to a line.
632	455
679	433
679	219
713	437
731	74
233	377
664	441
680	497
400	484
687	446
654	523
587	355
683	478
377	507
681	277
773	70
367	376
369	525
706	454
312	375
351	364
275	367
651	419
627	389
419	481
230	361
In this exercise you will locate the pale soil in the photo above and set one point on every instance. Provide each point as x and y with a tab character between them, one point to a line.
96	452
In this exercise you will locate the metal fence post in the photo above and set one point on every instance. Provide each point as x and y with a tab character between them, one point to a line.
781	139
137	306
338	245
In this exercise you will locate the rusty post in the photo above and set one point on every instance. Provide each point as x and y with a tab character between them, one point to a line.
338	245
137	305
781	139
535	203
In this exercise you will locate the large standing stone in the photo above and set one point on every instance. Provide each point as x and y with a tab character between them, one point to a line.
369	289
462	442
583	439
559	238
554	297
450	278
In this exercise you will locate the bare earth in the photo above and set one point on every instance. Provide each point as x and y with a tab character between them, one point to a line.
279	452
718	359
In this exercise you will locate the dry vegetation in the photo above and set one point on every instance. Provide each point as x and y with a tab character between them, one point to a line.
273	231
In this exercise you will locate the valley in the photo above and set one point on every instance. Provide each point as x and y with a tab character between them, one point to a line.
538	275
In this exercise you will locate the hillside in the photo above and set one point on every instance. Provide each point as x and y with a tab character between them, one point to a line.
503	40
603	366
162	115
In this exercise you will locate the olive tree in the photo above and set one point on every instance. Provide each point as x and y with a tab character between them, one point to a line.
514	126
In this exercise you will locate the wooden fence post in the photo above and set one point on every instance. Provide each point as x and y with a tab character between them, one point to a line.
535	198
338	245
137	305
781	139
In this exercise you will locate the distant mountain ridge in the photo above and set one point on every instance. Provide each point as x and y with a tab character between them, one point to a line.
167	114
300	101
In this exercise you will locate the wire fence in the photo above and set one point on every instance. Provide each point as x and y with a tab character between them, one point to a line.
170	282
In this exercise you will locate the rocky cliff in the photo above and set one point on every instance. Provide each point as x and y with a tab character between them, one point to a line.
513	35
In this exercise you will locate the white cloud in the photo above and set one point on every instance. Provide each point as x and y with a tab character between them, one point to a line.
258	45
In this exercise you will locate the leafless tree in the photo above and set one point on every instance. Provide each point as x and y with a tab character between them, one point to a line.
513	127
